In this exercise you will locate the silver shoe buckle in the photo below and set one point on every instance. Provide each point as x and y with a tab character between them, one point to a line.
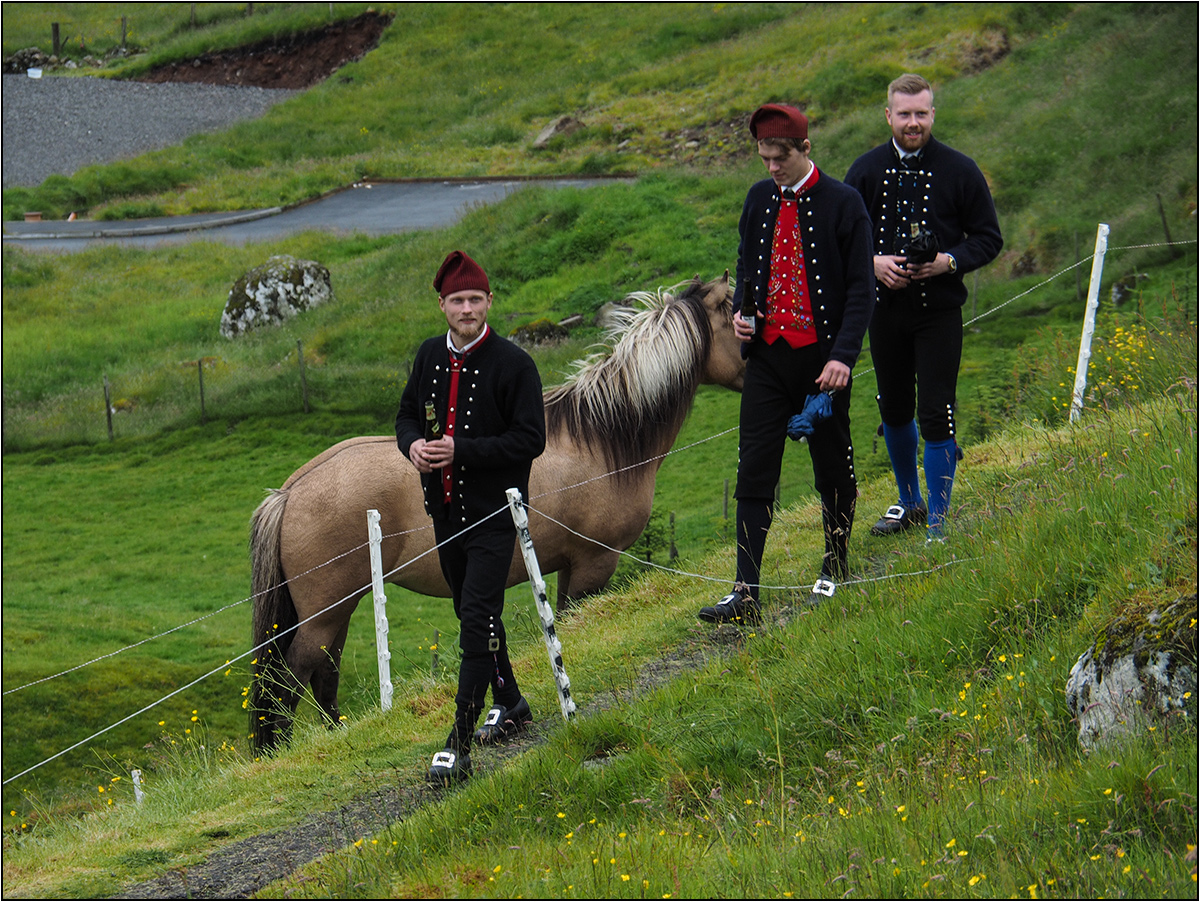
824	587
895	512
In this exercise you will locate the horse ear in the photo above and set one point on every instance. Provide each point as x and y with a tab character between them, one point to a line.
716	291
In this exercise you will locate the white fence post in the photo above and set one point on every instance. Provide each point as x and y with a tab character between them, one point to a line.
138	795
1089	322
545	612
381	623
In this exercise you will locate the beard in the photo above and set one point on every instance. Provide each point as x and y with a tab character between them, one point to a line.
465	333
912	142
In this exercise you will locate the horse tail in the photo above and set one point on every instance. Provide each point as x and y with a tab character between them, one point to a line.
273	620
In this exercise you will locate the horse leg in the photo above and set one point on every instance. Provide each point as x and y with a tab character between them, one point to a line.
305	658
325	678
281	693
562	599
585	576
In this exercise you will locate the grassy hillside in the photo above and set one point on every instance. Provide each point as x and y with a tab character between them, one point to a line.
908	738
452	92
845	746
1037	119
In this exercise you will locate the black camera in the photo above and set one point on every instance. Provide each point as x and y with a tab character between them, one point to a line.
919	247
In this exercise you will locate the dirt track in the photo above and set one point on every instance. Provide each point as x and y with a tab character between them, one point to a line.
244	867
294	62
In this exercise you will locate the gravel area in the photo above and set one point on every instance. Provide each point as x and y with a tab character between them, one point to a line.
59	125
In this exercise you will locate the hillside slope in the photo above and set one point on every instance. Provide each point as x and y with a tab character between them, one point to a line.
862	745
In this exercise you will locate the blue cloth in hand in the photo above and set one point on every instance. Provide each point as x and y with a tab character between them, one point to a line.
817	408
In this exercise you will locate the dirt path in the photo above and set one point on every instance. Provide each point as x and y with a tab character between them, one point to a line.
294	61
239	870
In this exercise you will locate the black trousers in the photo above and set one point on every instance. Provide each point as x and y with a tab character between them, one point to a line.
476	564
778	380
916	352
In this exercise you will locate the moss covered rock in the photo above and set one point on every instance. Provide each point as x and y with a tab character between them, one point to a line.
267	295
1141	669
539	332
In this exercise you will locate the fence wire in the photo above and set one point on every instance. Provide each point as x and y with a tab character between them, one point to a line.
358	593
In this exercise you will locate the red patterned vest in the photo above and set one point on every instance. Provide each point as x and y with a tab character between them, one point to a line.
789	311
457	362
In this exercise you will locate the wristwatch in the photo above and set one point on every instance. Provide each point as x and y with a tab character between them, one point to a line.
953	263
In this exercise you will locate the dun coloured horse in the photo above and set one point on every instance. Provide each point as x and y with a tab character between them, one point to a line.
607	427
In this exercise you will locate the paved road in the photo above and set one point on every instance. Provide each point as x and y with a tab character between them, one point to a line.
378	208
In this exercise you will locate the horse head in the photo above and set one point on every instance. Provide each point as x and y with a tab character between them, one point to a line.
725	365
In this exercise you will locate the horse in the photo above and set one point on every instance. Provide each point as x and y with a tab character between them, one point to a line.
607	428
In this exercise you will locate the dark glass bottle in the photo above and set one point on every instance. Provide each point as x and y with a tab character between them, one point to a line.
433	429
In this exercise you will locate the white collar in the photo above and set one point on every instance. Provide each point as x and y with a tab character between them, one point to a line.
812	169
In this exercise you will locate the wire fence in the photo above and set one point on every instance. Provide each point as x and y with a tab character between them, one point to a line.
151	399
358	593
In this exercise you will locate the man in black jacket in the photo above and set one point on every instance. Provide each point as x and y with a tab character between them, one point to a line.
933	221
487	399
802	302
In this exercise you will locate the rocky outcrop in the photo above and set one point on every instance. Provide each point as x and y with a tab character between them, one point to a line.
276	291
1141	670
563	125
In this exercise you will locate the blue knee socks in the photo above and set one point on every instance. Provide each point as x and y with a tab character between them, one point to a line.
941	459
901	444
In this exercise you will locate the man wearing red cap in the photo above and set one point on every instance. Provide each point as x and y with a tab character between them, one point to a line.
804	297
487	397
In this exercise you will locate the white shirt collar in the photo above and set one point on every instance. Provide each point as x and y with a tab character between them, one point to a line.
812	170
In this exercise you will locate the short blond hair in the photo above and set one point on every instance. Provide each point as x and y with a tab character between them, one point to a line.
909	84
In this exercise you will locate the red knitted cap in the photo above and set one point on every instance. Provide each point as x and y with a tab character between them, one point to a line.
459	272
775	120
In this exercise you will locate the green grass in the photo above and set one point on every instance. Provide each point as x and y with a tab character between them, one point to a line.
866	743
742	777
449	92
160	32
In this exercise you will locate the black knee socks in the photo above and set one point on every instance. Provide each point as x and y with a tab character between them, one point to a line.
837	516
753	523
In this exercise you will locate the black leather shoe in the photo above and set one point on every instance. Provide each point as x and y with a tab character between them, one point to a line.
503	723
449	767
897	519
739	606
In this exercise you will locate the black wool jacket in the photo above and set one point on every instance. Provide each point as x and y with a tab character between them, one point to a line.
499	425
954	203
835	233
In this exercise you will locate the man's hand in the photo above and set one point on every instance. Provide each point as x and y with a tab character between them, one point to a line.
834	376
429	456
890	271
939	265
742	329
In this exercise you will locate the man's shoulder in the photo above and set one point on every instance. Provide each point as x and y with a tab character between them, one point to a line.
839	192
831	184
431	344
882	153
505	349
944	153
760	189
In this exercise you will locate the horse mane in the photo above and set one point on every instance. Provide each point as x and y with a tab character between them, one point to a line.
620	401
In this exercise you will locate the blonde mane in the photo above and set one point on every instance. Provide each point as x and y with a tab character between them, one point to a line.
622	401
